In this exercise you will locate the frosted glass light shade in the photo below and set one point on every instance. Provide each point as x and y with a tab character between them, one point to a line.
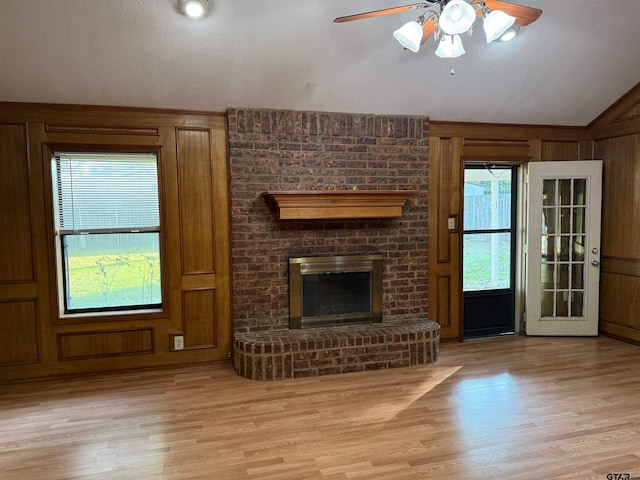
496	23
457	17
409	35
510	34
450	46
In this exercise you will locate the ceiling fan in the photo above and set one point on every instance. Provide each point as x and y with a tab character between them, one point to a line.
447	19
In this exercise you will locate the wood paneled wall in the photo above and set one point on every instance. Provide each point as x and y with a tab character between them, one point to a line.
192	147
35	340
614	137
450	146
617	142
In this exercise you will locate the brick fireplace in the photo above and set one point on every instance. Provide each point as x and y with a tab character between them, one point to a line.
291	150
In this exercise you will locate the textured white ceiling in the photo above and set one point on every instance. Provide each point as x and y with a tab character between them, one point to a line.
564	69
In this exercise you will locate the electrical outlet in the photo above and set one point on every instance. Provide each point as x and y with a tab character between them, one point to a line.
178	342
451	223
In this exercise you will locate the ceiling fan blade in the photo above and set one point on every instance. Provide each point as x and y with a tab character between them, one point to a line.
378	13
524	15
427	30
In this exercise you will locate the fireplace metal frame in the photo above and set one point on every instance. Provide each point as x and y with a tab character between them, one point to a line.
300	266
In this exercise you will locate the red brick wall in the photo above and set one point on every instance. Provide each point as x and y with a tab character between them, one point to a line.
291	150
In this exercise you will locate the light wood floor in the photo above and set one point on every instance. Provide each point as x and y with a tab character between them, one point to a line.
508	408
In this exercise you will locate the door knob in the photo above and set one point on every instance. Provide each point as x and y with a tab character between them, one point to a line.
594	250
595	263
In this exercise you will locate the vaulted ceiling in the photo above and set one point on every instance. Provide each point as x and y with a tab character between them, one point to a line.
564	69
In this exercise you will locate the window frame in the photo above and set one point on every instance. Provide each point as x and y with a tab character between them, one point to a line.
58	271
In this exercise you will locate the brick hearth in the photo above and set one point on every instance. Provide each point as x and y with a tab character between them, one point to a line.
280	354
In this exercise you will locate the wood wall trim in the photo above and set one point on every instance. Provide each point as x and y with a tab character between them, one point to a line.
442	174
19	332
101	130
16	250
614	130
196	185
622	332
18	290
493	142
109	116
508	132
621	266
496	153
616	140
199	318
619	303
105	343
443	300
53	108
563	150
621	119
445	181
618	110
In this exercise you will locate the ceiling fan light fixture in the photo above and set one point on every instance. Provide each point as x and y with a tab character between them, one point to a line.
194	8
510	34
450	46
448	19
410	34
496	23
457	17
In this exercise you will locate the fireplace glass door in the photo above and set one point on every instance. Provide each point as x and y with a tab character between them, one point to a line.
335	290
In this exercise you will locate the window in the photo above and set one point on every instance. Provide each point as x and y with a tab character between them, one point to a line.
489	231
107	221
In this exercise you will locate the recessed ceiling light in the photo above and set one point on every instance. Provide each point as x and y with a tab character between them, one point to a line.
194	8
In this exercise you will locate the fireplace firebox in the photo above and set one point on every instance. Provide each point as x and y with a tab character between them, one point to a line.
335	290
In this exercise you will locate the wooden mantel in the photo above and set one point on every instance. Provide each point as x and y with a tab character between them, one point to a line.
336	204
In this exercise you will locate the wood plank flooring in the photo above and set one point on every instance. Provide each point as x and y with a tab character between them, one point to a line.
507	408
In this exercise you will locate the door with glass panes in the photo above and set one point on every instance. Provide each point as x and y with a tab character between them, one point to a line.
563	248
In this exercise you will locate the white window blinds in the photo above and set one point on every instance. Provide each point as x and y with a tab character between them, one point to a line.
106	192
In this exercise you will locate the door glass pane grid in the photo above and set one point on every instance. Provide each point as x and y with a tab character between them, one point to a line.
562	247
